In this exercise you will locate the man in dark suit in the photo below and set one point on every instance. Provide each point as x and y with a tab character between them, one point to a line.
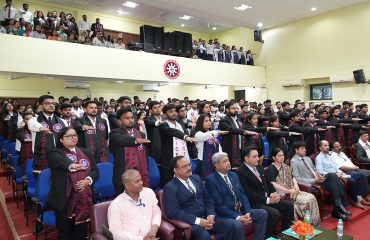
261	195
96	28
230	199
284	115
173	141
233	142
186	199
363	147
151	123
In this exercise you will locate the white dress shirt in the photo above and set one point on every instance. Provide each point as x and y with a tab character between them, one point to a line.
341	160
26	15
8	13
84	25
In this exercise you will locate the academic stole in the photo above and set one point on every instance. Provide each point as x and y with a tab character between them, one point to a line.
179	147
135	158
210	147
99	135
78	202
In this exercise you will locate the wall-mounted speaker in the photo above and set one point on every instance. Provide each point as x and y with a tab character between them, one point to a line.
258	35
147	38
359	76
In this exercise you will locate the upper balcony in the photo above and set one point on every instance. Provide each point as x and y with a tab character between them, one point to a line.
52	58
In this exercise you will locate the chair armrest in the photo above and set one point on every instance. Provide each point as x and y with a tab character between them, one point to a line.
165	231
305	187
181	226
98	236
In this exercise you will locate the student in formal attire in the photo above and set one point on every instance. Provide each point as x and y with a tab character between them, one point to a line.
210	49
72	174
183	120
250	60
284	114
9	118
152	121
66	114
233	142
230	199
93	132
186	199
127	145
25	14
241	54
8	12
24	136
207	143
173	141
359	186
234	55
304	171
280	176
76	109
345	164
134	214
96	28
261	194
363	147
193	112
45	129
277	139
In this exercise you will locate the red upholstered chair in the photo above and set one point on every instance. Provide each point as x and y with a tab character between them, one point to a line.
352	155
99	221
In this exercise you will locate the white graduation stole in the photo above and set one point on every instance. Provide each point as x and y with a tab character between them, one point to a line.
179	145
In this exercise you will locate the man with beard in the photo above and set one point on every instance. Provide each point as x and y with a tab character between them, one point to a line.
66	114
126	144
173	141
232	143
151	123
44	129
181	117
93	133
76	109
123	102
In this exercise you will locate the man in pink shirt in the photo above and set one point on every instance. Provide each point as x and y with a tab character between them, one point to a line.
134	214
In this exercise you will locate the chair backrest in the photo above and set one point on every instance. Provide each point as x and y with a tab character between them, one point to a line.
104	185
159	195
111	158
31	180
194	164
43	185
18	168
98	216
11	148
154	175
266	149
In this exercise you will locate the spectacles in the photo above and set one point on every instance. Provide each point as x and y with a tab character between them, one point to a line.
71	136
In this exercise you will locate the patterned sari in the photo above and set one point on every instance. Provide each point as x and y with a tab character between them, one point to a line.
302	201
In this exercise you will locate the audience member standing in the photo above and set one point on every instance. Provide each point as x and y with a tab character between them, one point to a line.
8	12
25	14
96	28
152	123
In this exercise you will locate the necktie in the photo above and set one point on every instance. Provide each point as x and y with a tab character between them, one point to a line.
231	188
190	188
49	120
69	123
308	168
257	174
8	12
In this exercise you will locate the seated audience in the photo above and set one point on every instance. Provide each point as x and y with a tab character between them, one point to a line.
134	214
303	170
186	199
230	199
280	176
363	148
37	33
72	173
359	187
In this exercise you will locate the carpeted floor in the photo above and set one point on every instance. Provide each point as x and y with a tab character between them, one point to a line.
357	227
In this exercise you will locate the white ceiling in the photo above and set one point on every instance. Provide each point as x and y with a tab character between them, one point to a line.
213	13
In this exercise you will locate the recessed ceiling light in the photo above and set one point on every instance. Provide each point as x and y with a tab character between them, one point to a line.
121	12
260	24
119	81
130	4
186	17
313	9
87	85
242	7
214	28
182	25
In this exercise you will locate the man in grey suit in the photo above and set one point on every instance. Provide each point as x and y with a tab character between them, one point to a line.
363	147
304	171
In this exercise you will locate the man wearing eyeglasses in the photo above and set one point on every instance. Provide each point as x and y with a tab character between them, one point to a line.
44	129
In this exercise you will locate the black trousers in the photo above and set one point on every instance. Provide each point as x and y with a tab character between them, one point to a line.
283	207
67	229
335	186
367	175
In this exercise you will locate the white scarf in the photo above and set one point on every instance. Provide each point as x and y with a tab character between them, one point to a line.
179	145
365	146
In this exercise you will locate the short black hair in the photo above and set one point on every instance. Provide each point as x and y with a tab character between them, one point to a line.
152	104
173	162
229	104
43	97
167	107
362	132
87	103
27	114
74	99
123	98
298	144
294	113
283	104
122	111
247	151
178	108
307	114
64	106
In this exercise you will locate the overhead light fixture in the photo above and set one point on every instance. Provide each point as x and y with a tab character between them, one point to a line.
313	9
182	25
130	4
119	81
121	12
214	28
260	24
186	17
242	7
87	85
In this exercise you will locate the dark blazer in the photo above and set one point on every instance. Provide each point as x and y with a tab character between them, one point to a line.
58	164
361	153
154	148
255	141
227	143
222	196
253	187
274	138
284	118
118	140
179	203
308	134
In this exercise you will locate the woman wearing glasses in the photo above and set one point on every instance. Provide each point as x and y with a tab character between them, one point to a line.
70	196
